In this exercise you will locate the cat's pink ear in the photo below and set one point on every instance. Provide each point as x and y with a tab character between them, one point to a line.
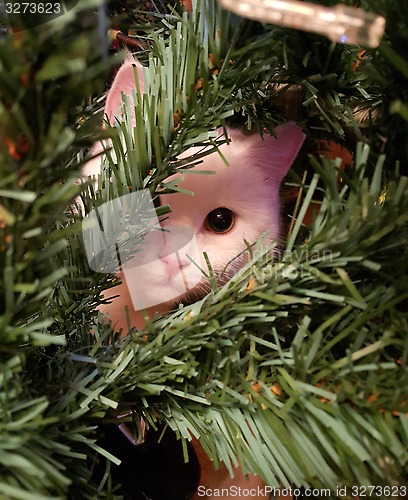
276	154
124	82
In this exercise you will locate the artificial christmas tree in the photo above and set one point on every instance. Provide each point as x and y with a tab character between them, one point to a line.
296	369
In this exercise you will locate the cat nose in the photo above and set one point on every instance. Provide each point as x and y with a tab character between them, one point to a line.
180	258
175	262
174	249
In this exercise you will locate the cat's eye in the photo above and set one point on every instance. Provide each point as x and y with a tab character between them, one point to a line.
220	220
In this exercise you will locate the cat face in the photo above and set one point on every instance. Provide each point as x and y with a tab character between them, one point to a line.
234	204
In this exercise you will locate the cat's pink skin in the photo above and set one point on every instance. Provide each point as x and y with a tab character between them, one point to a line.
124	82
249	186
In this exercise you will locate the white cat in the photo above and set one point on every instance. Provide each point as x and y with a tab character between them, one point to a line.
237	204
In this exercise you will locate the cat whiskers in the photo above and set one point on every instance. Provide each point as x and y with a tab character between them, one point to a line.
221	274
204	287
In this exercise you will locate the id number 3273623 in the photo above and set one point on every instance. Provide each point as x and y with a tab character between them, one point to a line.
33	8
